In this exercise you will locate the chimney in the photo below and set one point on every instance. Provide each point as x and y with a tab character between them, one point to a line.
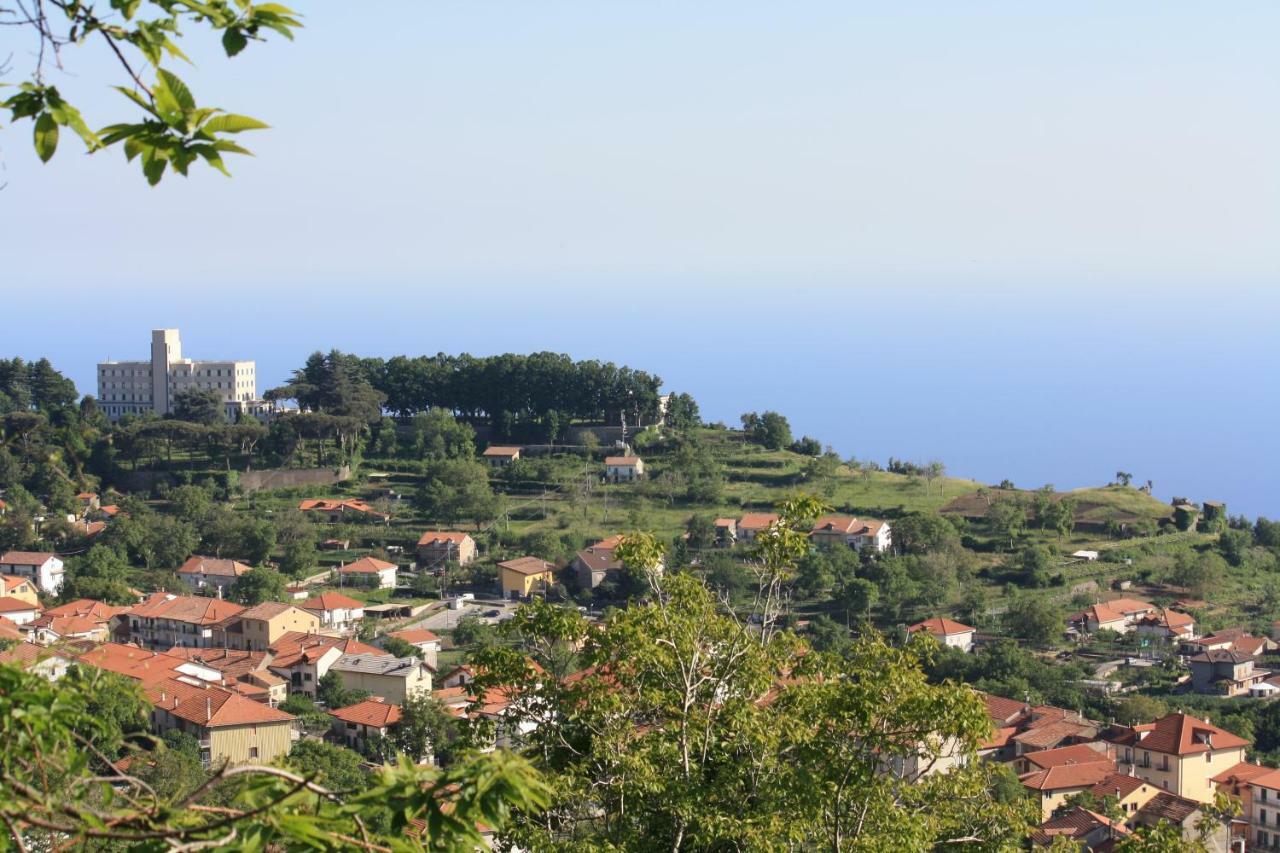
208	709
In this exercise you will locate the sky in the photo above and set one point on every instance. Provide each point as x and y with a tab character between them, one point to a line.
1034	241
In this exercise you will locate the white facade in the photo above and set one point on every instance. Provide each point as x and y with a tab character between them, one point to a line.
45	570
135	387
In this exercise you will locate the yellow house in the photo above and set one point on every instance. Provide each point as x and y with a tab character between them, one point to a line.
1129	792
1055	785
228	726
258	628
1179	754
20	588
524	576
391	678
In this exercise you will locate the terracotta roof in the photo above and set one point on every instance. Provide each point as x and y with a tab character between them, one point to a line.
1077	822
1053	733
499	450
24	654
621	460
332	601
1118	785
610	543
327	505
9	629
1068	776
26	558
1118	609
370	712
999	738
599	560
209	706
230	662
67	626
835	524
1242	772
1002	710
86	607
1170	807
213	566
1078	753
109	509
940	626
415	635
133	662
9	604
366	566
295	646
8	582
726	522
267	610
757	520
1180	734
185	608
457	537
528	566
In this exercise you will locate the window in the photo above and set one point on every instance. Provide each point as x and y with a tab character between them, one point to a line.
1262	816
253	752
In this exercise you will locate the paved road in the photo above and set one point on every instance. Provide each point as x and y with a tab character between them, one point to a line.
448	618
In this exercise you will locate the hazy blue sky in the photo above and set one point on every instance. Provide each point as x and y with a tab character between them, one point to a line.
1034	240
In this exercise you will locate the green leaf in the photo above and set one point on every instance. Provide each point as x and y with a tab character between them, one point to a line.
181	94
137	99
211	156
152	167
68	116
232	123
233	41
46	137
227	145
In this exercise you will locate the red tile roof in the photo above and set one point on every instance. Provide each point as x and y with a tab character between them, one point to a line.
185	608
499	450
87	607
332	601
370	712
213	566
1077	822
622	461
528	566
415	635
209	706
1180	734
67	626
1068	776
8	582
9	604
457	537
1078	753
1118	785
269	610
230	662
1242	772
940	626
757	520
9	629
366	566
26	558
132	662
1002	710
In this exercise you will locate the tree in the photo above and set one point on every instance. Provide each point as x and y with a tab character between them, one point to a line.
934	470
1007	518
1034	619
330	691
1137	708
199	406
256	586
426	728
171	131
333	766
457	489
1124	478
101	574
298	558
682	413
770	429
920	532
437	434
54	786
1034	565
1198	572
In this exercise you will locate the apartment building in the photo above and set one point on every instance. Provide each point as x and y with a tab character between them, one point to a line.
165	620
1178	753
135	387
228	727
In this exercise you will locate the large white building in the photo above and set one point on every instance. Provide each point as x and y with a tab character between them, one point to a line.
135	387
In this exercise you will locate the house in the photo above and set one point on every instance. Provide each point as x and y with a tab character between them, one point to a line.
1263	814
1237	784
242	671
1231	640
754	523
1021	728
260	686
1130	792
394	679
500	457
1224	673
355	725
87	502
425	641
229	727
336	611
336	510
1186	814
23	589
43	568
165	620
1086	828
947	632
1179	753
1169	625
259	627
42	661
1078	753
50	629
437	547
17	611
9	632
726	531
369	571
593	565
211	573
623	469
524	576
1086	556
304	659
1120	615
1054	785
143	666
832	530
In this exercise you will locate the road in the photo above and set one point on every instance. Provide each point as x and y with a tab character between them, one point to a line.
444	620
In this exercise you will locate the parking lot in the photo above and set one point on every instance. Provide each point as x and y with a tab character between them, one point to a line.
489	611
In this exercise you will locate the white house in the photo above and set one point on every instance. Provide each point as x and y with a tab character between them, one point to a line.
369	571
946	631
44	568
205	572
336	611
857	533
426	642
623	469
17	611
